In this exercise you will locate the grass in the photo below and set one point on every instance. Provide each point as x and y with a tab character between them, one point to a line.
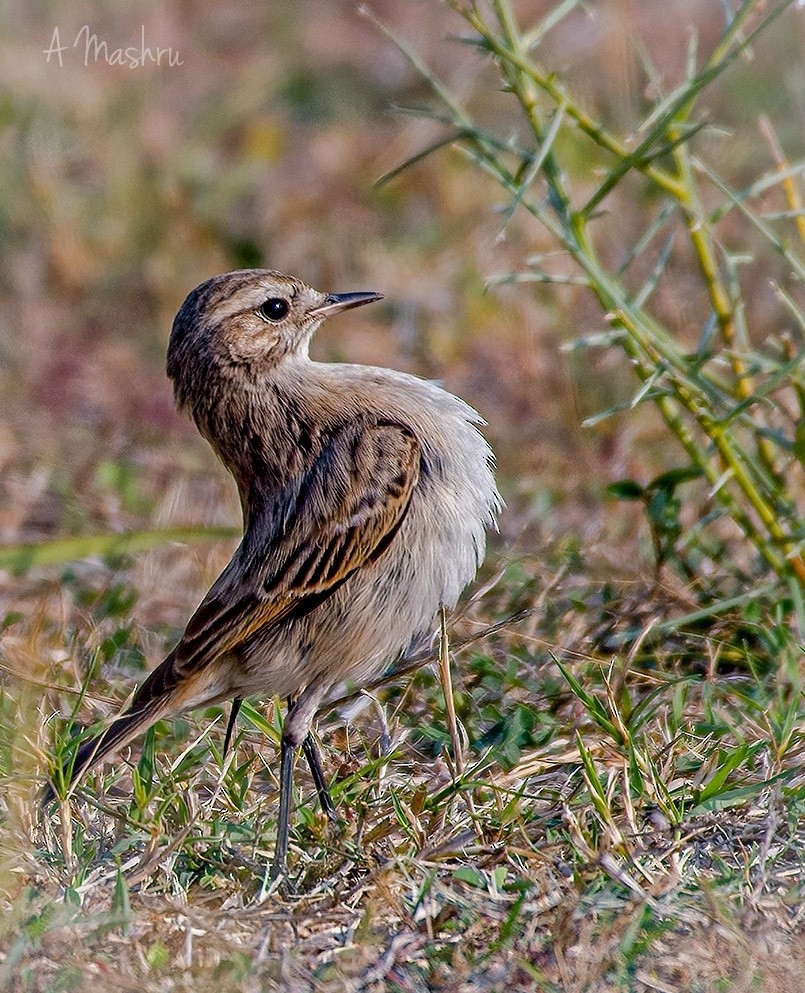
622	806
612	797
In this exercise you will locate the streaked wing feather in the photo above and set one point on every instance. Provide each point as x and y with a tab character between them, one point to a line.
343	515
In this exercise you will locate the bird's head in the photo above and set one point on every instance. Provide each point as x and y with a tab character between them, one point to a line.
253	319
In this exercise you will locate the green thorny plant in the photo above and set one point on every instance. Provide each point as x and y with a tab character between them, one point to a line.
736	412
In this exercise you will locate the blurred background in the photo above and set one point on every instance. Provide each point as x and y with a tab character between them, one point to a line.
258	141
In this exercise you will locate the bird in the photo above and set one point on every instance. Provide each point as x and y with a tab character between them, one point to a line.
366	495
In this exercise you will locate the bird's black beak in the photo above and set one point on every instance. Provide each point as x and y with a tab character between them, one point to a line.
334	303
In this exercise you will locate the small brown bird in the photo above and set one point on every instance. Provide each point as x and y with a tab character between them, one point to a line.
366	495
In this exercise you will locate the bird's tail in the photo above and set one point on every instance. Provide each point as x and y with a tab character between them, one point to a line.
155	699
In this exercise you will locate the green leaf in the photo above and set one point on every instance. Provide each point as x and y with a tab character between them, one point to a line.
157	956
730	797
626	489
592	705
253	716
472	877
121	907
593	780
799	442
729	761
674	477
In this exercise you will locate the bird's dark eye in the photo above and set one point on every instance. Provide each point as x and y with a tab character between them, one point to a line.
274	309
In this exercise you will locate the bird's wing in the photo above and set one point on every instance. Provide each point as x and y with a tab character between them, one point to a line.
329	521
335	518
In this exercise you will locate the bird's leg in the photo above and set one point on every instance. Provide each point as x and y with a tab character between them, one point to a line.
287	752
313	756
230	727
295	732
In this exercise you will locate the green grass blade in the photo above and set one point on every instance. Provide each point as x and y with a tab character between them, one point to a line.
20	558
